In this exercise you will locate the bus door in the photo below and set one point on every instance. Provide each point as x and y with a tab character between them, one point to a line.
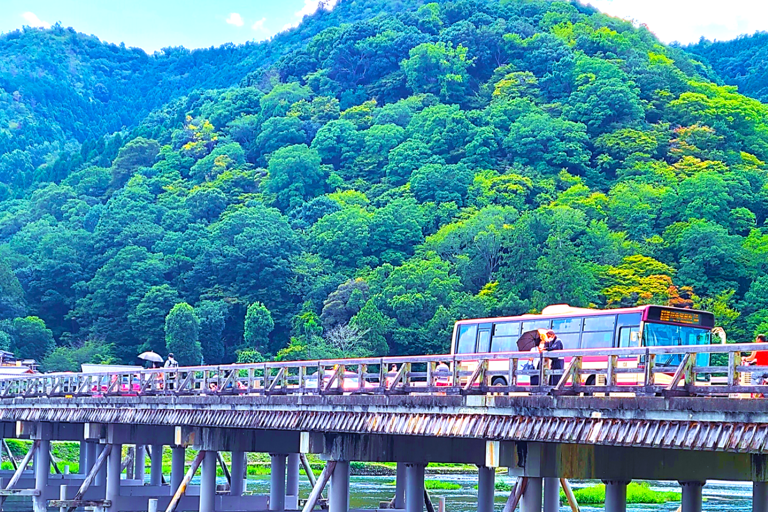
628	336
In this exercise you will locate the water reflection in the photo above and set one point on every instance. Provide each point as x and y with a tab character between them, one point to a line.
368	491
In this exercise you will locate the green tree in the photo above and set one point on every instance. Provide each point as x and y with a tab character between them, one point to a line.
439	69
31	339
295	175
148	319
213	317
548	144
182	331
258	327
139	152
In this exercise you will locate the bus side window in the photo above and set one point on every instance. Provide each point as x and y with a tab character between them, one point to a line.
629	336
467	337
484	340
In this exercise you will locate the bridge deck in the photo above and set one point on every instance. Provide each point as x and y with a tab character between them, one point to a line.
702	424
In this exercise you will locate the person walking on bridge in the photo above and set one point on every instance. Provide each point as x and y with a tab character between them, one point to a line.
759	358
556	363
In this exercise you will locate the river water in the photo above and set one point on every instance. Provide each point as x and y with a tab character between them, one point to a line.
368	491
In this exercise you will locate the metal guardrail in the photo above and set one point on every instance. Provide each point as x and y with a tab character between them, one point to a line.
467	374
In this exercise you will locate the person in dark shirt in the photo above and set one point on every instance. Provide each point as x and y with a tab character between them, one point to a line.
553	343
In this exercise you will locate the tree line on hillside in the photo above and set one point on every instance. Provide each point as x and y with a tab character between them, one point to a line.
389	176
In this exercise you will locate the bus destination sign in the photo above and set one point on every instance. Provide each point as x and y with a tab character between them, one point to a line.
679	316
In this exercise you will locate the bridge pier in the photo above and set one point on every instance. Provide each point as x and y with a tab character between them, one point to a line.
90	457
208	482
292	479
552	494
140	462
101	476
486	480
414	487
399	501
531	501
692	496
759	497
338	496
277	482
177	467
237	473
156	465
616	495
114	461
42	470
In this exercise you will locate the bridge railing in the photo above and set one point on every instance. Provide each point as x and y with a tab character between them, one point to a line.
670	370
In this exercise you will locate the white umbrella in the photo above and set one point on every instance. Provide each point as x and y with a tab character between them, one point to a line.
151	356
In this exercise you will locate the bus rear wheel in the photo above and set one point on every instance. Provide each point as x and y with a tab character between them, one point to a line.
590	382
498	381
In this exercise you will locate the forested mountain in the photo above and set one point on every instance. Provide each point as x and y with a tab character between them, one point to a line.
742	62
354	186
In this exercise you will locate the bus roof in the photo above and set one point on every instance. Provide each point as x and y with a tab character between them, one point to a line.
565	310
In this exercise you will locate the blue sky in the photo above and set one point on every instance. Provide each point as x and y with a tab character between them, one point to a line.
154	24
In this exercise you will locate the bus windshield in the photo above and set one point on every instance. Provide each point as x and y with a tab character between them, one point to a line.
664	335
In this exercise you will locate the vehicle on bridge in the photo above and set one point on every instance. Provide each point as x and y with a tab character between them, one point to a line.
583	328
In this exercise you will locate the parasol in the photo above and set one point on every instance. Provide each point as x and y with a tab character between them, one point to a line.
528	340
151	356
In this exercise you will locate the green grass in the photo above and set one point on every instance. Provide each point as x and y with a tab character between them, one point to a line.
636	493
432	485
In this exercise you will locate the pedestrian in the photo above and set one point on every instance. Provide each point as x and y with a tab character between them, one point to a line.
555	363
171	362
759	358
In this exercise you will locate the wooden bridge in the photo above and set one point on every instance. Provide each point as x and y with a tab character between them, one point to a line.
613	415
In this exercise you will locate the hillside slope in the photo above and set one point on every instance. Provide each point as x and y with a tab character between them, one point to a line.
377	179
742	62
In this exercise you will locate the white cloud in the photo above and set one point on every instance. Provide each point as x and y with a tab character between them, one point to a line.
235	19
686	21
259	25
311	6
33	21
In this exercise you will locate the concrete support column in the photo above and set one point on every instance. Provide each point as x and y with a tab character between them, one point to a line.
292	475
208	482
114	461
338	496
177	467
615	496
486	481
759	497
101	476
81	456
90	457
277	483
551	494
531	501
140	464
400	486
691	496
237	472
156	465
414	487
42	470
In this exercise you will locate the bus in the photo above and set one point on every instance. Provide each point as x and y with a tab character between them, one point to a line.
582	328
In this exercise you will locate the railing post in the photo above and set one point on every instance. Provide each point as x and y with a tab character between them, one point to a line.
610	377
650	362
734	361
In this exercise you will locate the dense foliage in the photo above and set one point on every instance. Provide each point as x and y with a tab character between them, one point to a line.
740	62
368	178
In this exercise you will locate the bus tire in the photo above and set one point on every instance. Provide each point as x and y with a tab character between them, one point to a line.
498	381
590	382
